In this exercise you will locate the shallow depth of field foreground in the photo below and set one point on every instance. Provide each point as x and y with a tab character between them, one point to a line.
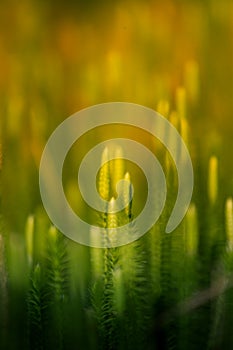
164	290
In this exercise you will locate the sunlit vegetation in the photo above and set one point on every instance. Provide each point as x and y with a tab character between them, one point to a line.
162	291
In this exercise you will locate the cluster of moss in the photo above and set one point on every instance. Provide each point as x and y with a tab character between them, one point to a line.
163	291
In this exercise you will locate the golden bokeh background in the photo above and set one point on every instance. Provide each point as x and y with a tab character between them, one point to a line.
57	58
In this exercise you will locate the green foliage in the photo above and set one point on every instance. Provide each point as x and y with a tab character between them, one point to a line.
38	302
154	293
163	291
48	295
3	287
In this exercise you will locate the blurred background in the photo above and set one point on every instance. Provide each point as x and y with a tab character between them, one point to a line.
56	58
59	58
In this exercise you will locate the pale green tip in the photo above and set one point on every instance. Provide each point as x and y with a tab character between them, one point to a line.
229	223
29	232
213	180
